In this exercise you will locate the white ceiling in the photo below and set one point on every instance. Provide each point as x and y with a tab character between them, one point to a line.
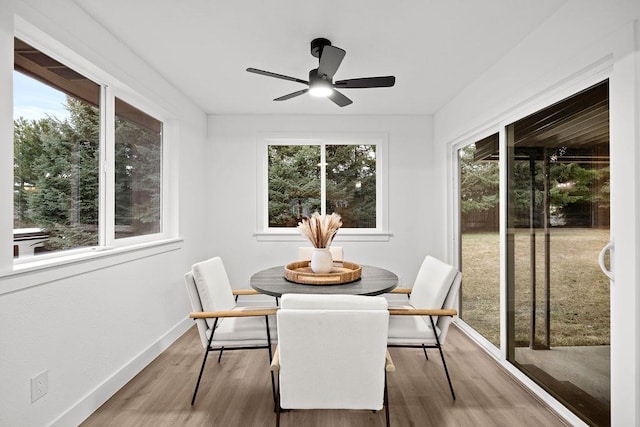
433	47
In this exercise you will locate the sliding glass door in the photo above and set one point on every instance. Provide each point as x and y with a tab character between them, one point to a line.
480	237
556	309
557	222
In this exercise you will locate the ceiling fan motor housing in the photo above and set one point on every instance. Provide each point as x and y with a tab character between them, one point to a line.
317	45
314	77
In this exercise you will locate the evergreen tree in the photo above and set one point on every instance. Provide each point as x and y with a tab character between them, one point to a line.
294	183
479	182
351	184
57	175
138	162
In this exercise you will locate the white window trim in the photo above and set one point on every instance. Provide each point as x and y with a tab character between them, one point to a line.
110	88
379	139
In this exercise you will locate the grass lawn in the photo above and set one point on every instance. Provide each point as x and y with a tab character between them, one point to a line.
579	294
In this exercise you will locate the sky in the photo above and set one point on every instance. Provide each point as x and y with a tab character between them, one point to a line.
34	100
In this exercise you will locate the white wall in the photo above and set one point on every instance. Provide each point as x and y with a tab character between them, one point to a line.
583	41
96	323
415	224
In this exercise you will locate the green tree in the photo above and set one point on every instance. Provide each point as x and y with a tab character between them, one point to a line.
57	175
351	184
27	146
138	162
573	187
294	183
479	182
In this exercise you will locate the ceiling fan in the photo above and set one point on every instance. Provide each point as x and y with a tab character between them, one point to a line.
321	79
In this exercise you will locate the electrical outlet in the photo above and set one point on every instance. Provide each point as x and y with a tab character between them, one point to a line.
39	385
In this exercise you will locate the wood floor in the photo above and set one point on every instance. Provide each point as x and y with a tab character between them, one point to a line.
237	392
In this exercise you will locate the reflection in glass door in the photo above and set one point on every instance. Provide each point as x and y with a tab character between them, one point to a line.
557	222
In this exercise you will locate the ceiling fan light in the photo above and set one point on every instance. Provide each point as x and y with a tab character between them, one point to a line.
319	86
320	91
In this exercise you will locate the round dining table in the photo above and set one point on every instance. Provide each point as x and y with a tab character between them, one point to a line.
373	281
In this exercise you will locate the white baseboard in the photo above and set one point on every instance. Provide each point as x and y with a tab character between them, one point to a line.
98	396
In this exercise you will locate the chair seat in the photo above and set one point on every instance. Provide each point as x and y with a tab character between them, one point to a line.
410	329
241	331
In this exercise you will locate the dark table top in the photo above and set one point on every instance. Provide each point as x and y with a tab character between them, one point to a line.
373	281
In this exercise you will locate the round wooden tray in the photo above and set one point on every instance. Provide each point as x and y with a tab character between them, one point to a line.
300	272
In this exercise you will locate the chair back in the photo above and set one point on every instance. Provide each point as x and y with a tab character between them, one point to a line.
212	284
432	284
451	301
196	306
304	253
332	351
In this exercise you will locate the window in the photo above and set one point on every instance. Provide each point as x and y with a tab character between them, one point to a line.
325	174
138	167
60	198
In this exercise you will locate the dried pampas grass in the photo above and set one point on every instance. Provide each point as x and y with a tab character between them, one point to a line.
320	229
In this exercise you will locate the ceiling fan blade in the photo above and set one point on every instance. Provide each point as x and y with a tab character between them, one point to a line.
330	60
366	82
292	95
277	76
339	99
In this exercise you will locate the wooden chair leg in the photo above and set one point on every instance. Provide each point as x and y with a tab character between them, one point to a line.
386	400
277	406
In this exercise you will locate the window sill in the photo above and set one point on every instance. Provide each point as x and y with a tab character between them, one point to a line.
41	271
342	236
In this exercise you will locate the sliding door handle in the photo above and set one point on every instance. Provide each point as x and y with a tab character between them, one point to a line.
609	247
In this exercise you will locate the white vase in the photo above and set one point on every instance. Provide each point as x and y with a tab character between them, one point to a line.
321	261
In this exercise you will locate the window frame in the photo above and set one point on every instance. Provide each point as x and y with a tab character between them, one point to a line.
379	139
110	88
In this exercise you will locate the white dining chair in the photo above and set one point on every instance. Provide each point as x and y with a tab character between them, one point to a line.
332	353
222	323
423	320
